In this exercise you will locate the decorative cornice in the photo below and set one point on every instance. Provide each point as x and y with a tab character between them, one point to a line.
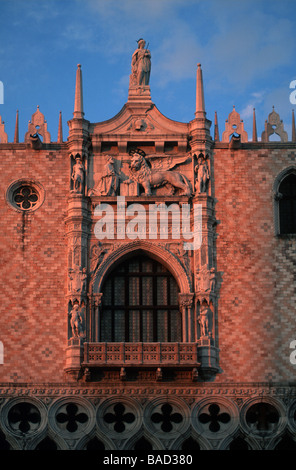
237	390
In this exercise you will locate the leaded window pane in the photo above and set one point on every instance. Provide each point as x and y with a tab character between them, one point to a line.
148	322
147	291
119	321
140	304
287	205
134	292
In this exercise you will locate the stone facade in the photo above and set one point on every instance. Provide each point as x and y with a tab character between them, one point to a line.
119	332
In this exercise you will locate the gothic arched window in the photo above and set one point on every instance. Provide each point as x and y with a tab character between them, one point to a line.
287	205
140	303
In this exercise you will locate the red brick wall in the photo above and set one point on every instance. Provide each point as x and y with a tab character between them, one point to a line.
256	305
257	298
33	260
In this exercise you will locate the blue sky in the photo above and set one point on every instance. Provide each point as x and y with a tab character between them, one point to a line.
247	49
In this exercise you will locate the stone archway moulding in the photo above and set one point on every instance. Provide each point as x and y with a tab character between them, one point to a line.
276	184
160	254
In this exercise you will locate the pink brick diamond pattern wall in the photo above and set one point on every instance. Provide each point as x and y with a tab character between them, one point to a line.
257	297
33	260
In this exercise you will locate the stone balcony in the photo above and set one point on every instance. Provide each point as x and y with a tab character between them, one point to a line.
141	355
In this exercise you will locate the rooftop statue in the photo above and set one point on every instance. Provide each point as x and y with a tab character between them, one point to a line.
141	64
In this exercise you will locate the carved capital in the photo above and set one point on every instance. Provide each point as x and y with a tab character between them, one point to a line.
97	299
186	300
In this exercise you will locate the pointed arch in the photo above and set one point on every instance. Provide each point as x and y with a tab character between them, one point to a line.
171	262
144	436
285	202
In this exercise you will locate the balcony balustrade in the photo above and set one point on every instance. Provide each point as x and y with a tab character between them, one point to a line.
140	354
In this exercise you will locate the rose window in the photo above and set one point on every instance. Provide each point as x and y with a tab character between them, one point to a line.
24	417
262	417
119	418
166	418
25	197
71	418
214	418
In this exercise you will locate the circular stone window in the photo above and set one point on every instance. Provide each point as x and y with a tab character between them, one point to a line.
25	195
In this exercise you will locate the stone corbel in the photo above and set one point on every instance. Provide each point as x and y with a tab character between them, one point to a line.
159	146
122	373
159	374
122	146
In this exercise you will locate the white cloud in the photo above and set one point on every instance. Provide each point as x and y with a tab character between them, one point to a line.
256	98
250	45
247	111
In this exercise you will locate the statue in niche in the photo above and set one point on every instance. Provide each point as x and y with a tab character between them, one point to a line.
202	174
109	182
151	174
204	320
206	280
78	280
141	64
76	321
212	280
78	175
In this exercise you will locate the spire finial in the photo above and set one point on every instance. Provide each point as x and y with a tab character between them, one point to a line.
200	101
78	105
254	127
16	131
60	129
216	131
